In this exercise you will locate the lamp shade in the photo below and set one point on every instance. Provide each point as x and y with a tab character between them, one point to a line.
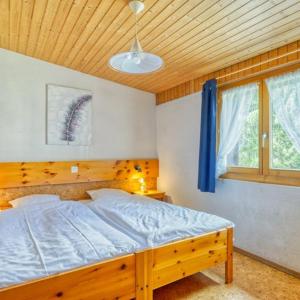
136	62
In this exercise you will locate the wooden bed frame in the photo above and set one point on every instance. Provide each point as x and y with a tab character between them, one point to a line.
135	275
168	263
125	277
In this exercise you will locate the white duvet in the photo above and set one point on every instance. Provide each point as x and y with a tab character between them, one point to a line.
38	240
151	222
43	239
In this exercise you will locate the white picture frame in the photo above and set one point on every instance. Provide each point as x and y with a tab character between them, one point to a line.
69	116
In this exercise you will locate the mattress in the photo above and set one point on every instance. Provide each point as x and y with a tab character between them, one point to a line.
39	240
153	223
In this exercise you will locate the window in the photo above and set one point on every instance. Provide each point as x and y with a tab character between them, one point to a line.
259	129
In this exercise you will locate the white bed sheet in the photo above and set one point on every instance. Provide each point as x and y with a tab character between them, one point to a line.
151	222
39	240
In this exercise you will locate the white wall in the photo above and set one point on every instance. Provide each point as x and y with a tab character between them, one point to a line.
123	117
267	217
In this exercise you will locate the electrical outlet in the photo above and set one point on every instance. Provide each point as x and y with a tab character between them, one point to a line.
74	169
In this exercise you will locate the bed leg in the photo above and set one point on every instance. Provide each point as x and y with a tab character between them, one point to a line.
144	266
229	261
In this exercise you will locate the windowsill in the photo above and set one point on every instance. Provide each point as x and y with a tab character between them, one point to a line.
269	179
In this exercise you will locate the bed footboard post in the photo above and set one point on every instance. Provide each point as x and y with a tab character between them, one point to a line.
229	261
144	266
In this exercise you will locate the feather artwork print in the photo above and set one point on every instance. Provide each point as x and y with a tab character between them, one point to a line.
73	118
69	116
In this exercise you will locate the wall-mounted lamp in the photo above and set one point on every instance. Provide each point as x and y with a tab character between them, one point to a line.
143	186
138	168
142	182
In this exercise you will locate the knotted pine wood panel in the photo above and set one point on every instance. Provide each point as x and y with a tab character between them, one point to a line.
21	174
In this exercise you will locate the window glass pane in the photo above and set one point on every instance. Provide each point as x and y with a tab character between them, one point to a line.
246	151
238	143
283	153
239	128
284	92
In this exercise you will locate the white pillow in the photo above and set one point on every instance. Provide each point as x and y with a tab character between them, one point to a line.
85	201
107	193
34	199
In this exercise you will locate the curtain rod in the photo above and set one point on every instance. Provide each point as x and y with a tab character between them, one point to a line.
259	64
255	65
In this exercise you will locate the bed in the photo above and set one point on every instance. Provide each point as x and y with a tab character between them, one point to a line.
177	241
55	237
151	263
87	236
150	222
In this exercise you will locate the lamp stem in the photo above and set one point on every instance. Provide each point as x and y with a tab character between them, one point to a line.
136	27
136	46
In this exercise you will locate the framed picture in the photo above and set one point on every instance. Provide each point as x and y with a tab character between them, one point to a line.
69	116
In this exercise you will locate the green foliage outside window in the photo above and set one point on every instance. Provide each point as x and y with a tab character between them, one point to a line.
245	153
283	154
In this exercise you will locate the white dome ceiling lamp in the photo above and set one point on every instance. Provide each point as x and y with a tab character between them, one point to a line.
136	61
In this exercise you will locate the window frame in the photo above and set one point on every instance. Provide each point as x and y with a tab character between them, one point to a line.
262	174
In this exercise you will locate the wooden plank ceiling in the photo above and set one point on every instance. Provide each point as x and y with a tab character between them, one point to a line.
286	57
194	37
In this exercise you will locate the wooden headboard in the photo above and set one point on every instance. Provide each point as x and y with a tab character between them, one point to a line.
22	178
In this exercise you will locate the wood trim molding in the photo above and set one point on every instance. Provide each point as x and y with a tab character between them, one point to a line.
24	174
267	262
268	61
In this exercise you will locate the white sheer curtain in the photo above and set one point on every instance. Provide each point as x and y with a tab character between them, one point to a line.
284	94
235	109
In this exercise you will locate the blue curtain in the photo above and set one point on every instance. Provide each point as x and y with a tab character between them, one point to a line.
207	153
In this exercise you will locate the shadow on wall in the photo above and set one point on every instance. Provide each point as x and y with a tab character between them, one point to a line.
168	199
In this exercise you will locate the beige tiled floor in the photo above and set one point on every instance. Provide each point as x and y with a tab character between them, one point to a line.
252	280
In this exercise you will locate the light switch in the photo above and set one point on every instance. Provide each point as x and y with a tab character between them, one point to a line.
74	169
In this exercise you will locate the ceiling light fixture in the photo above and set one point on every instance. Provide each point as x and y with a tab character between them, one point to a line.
136	61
